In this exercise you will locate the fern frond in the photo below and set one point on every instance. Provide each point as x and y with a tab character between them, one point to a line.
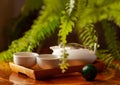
90	12
70	6
108	59
66	27
111	38
67	21
31	39
43	27
87	36
94	11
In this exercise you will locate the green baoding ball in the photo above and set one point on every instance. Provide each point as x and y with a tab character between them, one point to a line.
89	72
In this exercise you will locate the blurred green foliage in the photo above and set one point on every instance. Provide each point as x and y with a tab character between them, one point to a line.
67	16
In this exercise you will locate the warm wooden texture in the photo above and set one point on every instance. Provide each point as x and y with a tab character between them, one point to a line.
106	77
38	73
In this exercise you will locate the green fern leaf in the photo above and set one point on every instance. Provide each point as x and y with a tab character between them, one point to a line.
43	27
88	36
111	38
66	28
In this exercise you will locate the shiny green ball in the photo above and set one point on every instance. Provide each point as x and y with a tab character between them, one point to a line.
89	72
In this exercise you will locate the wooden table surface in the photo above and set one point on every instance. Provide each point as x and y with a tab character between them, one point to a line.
107	77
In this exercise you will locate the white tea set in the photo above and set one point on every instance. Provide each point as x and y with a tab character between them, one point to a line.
76	56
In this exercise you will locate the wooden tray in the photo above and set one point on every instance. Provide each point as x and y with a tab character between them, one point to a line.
38	73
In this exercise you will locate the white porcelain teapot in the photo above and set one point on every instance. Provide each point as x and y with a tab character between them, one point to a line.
75	53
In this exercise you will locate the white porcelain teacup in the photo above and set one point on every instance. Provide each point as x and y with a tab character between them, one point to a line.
26	59
47	61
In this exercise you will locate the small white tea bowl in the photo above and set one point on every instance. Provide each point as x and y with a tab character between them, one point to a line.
26	59
47	61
